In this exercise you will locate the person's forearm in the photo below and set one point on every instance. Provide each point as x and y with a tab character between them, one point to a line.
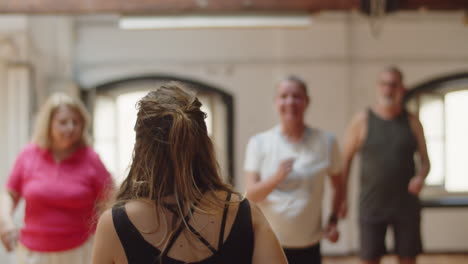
345	181
425	167
343	198
7	205
258	191
338	193
337	202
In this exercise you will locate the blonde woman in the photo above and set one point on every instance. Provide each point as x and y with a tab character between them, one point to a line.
173	206
61	179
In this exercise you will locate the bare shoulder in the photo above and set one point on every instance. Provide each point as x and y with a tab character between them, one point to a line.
358	126
133	207
106	216
107	247
105	222
356	132
106	237
360	118
267	248
237	198
142	214
413	118
258	219
260	224
415	123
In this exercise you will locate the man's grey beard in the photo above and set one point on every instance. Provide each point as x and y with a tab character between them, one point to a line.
388	100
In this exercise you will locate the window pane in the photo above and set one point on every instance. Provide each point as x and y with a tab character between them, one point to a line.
457	140
435	149
127	113
431	114
104	132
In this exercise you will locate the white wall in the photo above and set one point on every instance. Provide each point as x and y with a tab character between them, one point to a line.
14	96
35	60
336	56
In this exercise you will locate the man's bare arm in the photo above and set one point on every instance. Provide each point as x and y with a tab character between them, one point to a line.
354	137
417	182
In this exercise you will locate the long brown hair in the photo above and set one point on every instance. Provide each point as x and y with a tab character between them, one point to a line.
173	155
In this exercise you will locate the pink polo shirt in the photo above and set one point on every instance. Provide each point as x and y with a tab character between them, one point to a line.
60	197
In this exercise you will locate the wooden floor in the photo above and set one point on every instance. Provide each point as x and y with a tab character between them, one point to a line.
424	259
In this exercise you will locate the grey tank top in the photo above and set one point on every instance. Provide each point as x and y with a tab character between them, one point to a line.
387	165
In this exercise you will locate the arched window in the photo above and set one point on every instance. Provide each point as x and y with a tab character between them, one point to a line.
442	106
115	115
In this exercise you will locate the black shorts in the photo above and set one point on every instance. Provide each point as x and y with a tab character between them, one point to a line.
310	255
407	237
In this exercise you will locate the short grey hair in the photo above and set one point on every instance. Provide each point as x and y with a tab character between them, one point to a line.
395	70
296	79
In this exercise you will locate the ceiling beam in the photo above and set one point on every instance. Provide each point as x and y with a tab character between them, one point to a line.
203	6
170	6
434	4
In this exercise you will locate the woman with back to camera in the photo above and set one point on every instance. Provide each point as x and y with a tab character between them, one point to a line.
62	180
173	206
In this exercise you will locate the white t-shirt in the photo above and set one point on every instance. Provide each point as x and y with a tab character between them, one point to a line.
294	208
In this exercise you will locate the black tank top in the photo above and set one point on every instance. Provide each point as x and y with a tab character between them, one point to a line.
236	249
387	165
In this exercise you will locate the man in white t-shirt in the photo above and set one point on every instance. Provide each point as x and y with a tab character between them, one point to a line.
285	170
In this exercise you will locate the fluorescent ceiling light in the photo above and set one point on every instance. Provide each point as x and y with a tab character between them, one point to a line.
215	21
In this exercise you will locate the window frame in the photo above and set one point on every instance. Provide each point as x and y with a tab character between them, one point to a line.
443	83
112	87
